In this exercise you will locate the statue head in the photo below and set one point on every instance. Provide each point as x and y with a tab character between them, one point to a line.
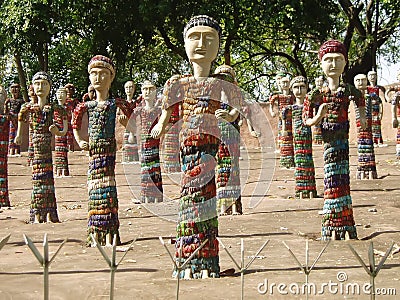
101	72
361	82
372	77
129	88
149	90
319	82
41	82
15	90
333	57
202	35
299	86
70	90
61	95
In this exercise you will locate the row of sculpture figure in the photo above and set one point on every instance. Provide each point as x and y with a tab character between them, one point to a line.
203	109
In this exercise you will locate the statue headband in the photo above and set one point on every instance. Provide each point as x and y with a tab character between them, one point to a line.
202	20
332	46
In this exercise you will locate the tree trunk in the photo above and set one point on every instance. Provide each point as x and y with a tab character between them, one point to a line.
21	76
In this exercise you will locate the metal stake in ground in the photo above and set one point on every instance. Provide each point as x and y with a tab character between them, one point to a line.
242	268
179	266
111	262
44	260
372	271
305	269
4	241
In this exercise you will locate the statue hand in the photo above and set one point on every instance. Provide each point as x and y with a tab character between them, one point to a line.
54	129
156	131
395	123
255	133
84	145
123	120
363	123
17	140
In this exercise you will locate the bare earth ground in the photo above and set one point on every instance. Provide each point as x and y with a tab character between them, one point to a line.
79	272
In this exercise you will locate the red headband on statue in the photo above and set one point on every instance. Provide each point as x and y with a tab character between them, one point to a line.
332	46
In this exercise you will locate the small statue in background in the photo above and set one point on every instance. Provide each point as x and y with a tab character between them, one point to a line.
13	106
373	90
33	99
61	144
317	136
302	140
366	168
284	98
4	138
395	100
41	116
130	149
70	105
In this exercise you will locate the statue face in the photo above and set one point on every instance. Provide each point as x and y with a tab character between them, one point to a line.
333	64
372	77
15	89
100	78
360	81
129	88
41	88
319	82
202	44
61	96
299	89
284	83
149	92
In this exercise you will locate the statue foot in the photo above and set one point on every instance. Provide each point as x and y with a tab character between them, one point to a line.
204	274
37	219
333	238
347	236
234	209
188	274
109	240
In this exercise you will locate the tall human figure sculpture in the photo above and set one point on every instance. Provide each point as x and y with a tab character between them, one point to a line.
395	100
103	220
130	151
70	105
148	113
377	107
13	106
33	99
61	167
4	138
317	137
302	140
228	171
199	96
283	99
333	101
366	168
41	116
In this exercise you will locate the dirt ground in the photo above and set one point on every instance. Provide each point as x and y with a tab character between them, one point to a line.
270	214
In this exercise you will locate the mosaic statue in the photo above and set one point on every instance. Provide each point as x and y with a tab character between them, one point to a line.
393	95
13	106
377	107
103	221
333	101
283	99
41	118
61	167
317	137
302	140
4	137
199	96
366	168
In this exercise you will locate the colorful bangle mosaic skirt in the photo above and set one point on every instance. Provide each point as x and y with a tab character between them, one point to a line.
287	150
103	200
317	135
303	156
228	171
61	155
197	219
338	211
43	200
398	143
151	179
170	148
4	128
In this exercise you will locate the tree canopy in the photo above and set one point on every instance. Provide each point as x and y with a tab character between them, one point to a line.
144	37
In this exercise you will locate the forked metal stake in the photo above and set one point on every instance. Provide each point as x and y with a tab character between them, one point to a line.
372	271
242	268
111	262
4	241
178	266
305	269
44	260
